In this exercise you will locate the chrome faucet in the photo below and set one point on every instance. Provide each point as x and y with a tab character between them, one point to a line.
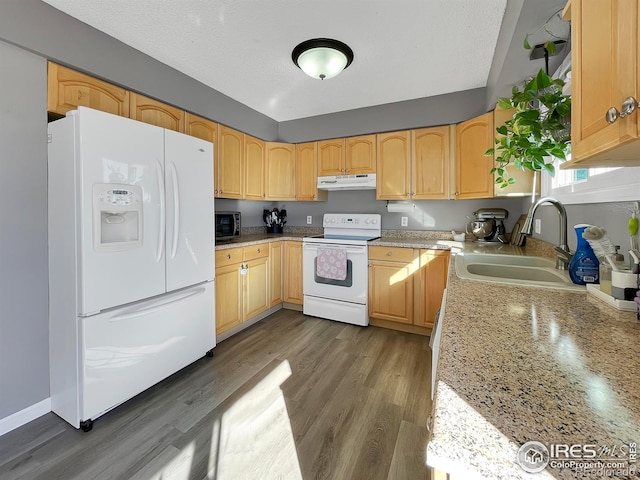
563	254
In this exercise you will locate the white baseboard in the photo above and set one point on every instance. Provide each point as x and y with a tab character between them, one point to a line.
24	416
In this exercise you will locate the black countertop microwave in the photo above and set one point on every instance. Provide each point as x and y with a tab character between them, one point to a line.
227	225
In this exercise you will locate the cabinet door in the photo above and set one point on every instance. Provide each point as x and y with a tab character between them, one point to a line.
275	273
206	130
331	157
228	297
293	272
392	181
473	138
256	287
230	162
430	163
434	267
391	291
281	171
360	154
525	179
156	113
306	173
253	168
605	71
68	90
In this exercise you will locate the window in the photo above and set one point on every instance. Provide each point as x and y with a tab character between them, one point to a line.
593	185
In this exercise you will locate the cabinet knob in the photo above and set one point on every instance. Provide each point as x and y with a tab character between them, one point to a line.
389	254
228	256
628	107
258	250
612	115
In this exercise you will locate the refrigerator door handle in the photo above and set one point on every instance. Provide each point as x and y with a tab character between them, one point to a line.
157	306
162	211
176	210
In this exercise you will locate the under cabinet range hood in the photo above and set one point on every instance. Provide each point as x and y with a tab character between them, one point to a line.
362	181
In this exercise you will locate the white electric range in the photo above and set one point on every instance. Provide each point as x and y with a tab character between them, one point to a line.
335	268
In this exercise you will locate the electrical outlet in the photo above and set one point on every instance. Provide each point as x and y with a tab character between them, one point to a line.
404	221
537	226
308	219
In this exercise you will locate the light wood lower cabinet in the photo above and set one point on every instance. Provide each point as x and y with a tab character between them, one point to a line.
228	297
242	285
256	297
293	272
391	283
406	286
434	268
275	273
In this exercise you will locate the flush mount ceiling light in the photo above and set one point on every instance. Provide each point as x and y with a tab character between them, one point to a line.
322	57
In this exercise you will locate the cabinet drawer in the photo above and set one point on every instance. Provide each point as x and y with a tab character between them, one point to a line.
228	256
396	254
255	251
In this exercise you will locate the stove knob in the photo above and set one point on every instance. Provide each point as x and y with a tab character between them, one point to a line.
367	221
375	220
332	220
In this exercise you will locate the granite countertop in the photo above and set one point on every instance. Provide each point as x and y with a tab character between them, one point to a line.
254	239
521	364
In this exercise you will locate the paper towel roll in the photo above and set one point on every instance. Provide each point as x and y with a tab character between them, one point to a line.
400	207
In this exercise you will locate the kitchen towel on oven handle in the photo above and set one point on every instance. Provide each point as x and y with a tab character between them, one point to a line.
331	263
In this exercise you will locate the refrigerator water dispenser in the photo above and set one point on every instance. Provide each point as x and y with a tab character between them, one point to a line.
117	217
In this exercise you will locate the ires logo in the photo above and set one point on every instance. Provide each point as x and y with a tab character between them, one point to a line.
585	452
588	458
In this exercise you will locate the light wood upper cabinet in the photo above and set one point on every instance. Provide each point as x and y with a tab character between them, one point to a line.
201	128
68	90
254	170
206	130
434	268
280	171
331	157
360	154
473	138
230	163
393	165
293	272
430	163
306	176
275	273
347	156
156	113
605	41
525	179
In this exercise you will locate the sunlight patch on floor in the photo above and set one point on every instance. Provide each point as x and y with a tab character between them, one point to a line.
254	438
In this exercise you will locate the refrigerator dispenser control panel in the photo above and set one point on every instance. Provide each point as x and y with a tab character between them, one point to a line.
117	211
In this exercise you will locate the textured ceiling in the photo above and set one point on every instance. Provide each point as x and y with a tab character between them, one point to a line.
404	49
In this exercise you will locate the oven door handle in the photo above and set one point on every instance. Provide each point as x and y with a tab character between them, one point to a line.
357	250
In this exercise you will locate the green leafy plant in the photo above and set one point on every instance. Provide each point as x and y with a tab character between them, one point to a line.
538	130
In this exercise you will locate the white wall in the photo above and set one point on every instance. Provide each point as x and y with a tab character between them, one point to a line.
24	326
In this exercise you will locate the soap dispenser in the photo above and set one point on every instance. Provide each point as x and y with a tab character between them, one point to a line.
583	267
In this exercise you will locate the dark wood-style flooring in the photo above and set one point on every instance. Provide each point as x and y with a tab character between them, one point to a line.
290	397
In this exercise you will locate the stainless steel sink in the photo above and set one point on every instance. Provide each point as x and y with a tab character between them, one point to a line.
513	269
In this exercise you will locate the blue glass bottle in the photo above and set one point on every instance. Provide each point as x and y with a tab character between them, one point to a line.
583	267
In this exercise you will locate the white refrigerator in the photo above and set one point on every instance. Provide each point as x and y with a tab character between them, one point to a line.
131	259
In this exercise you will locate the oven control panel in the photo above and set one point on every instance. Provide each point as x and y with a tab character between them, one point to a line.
352	221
